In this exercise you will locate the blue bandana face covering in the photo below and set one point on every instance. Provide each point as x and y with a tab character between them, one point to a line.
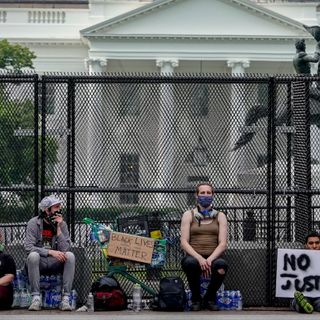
205	201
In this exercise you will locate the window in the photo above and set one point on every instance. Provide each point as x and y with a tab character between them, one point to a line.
130	99
200	101
129	177
50	97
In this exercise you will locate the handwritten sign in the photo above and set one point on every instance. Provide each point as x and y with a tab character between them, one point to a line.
298	270
130	247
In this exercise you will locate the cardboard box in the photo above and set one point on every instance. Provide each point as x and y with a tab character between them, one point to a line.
130	247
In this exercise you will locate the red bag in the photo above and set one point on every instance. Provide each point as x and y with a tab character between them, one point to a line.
112	300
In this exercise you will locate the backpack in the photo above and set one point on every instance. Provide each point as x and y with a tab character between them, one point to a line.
108	295
172	294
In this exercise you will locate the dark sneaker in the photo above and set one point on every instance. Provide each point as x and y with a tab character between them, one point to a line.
302	302
210	305
196	306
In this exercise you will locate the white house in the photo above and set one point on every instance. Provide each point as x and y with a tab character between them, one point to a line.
163	36
219	36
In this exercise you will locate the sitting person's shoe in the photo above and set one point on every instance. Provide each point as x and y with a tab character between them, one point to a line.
211	305
65	304
196	306
302	302
35	304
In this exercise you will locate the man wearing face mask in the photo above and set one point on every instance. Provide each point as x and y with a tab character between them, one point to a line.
204	240
7	273
47	243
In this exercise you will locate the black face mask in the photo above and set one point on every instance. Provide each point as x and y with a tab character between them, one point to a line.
53	215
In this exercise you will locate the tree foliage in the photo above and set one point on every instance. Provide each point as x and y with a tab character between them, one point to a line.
15	56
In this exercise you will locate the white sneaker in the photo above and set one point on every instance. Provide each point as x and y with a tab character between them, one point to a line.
65	304
36	304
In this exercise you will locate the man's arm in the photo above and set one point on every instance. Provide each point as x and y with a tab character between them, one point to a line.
63	237
31	239
9	270
6	279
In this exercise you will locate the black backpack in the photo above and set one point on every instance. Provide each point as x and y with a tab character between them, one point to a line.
172	295
108	295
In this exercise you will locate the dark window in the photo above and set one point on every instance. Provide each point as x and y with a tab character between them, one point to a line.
263	94
129	177
130	99
200	101
50	97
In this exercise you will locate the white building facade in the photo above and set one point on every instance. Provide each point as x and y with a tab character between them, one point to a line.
184	36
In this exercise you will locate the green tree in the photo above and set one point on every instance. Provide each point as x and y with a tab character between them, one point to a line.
17	122
15	55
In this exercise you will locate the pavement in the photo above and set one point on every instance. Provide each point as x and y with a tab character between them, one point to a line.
247	314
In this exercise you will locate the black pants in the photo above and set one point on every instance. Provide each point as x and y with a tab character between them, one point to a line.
192	269
6	297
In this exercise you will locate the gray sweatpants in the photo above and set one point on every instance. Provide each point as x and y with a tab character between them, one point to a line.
49	265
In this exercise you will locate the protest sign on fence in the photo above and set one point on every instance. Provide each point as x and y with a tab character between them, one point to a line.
130	247
298	270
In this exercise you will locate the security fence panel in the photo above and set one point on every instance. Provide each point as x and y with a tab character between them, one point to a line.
127	148
19	122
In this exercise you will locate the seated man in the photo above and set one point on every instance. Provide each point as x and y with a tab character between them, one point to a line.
7	273
47	243
300	303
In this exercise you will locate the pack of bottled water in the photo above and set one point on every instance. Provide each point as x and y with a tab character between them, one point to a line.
229	300
50	286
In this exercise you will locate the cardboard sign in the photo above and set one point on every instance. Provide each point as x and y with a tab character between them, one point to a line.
298	270
130	247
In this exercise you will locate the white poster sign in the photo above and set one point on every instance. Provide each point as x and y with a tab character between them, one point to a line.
298	270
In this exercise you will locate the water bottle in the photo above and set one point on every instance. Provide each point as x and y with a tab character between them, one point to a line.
24	299
137	297
90	302
188	300
73	298
233	300
20	280
204	283
239	306
16	299
227	300
59	283
53	282
48	299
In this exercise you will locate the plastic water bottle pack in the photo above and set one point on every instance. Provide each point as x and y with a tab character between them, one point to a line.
229	300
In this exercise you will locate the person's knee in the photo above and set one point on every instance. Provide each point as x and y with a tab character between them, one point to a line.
221	271
33	259
220	266
70	257
189	264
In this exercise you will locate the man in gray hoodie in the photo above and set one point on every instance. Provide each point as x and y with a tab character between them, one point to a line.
48	243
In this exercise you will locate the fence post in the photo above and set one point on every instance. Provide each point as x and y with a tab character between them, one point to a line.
271	185
302	157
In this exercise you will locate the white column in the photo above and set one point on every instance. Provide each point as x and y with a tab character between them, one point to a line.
166	132
237	117
95	65
167	65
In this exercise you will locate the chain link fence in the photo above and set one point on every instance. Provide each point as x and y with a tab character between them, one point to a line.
122	146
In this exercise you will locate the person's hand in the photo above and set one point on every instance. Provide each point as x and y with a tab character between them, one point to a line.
58	218
205	268
59	255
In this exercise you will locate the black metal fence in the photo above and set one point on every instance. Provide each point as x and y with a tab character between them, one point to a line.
119	146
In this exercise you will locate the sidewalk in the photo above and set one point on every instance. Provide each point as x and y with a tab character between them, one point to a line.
250	314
